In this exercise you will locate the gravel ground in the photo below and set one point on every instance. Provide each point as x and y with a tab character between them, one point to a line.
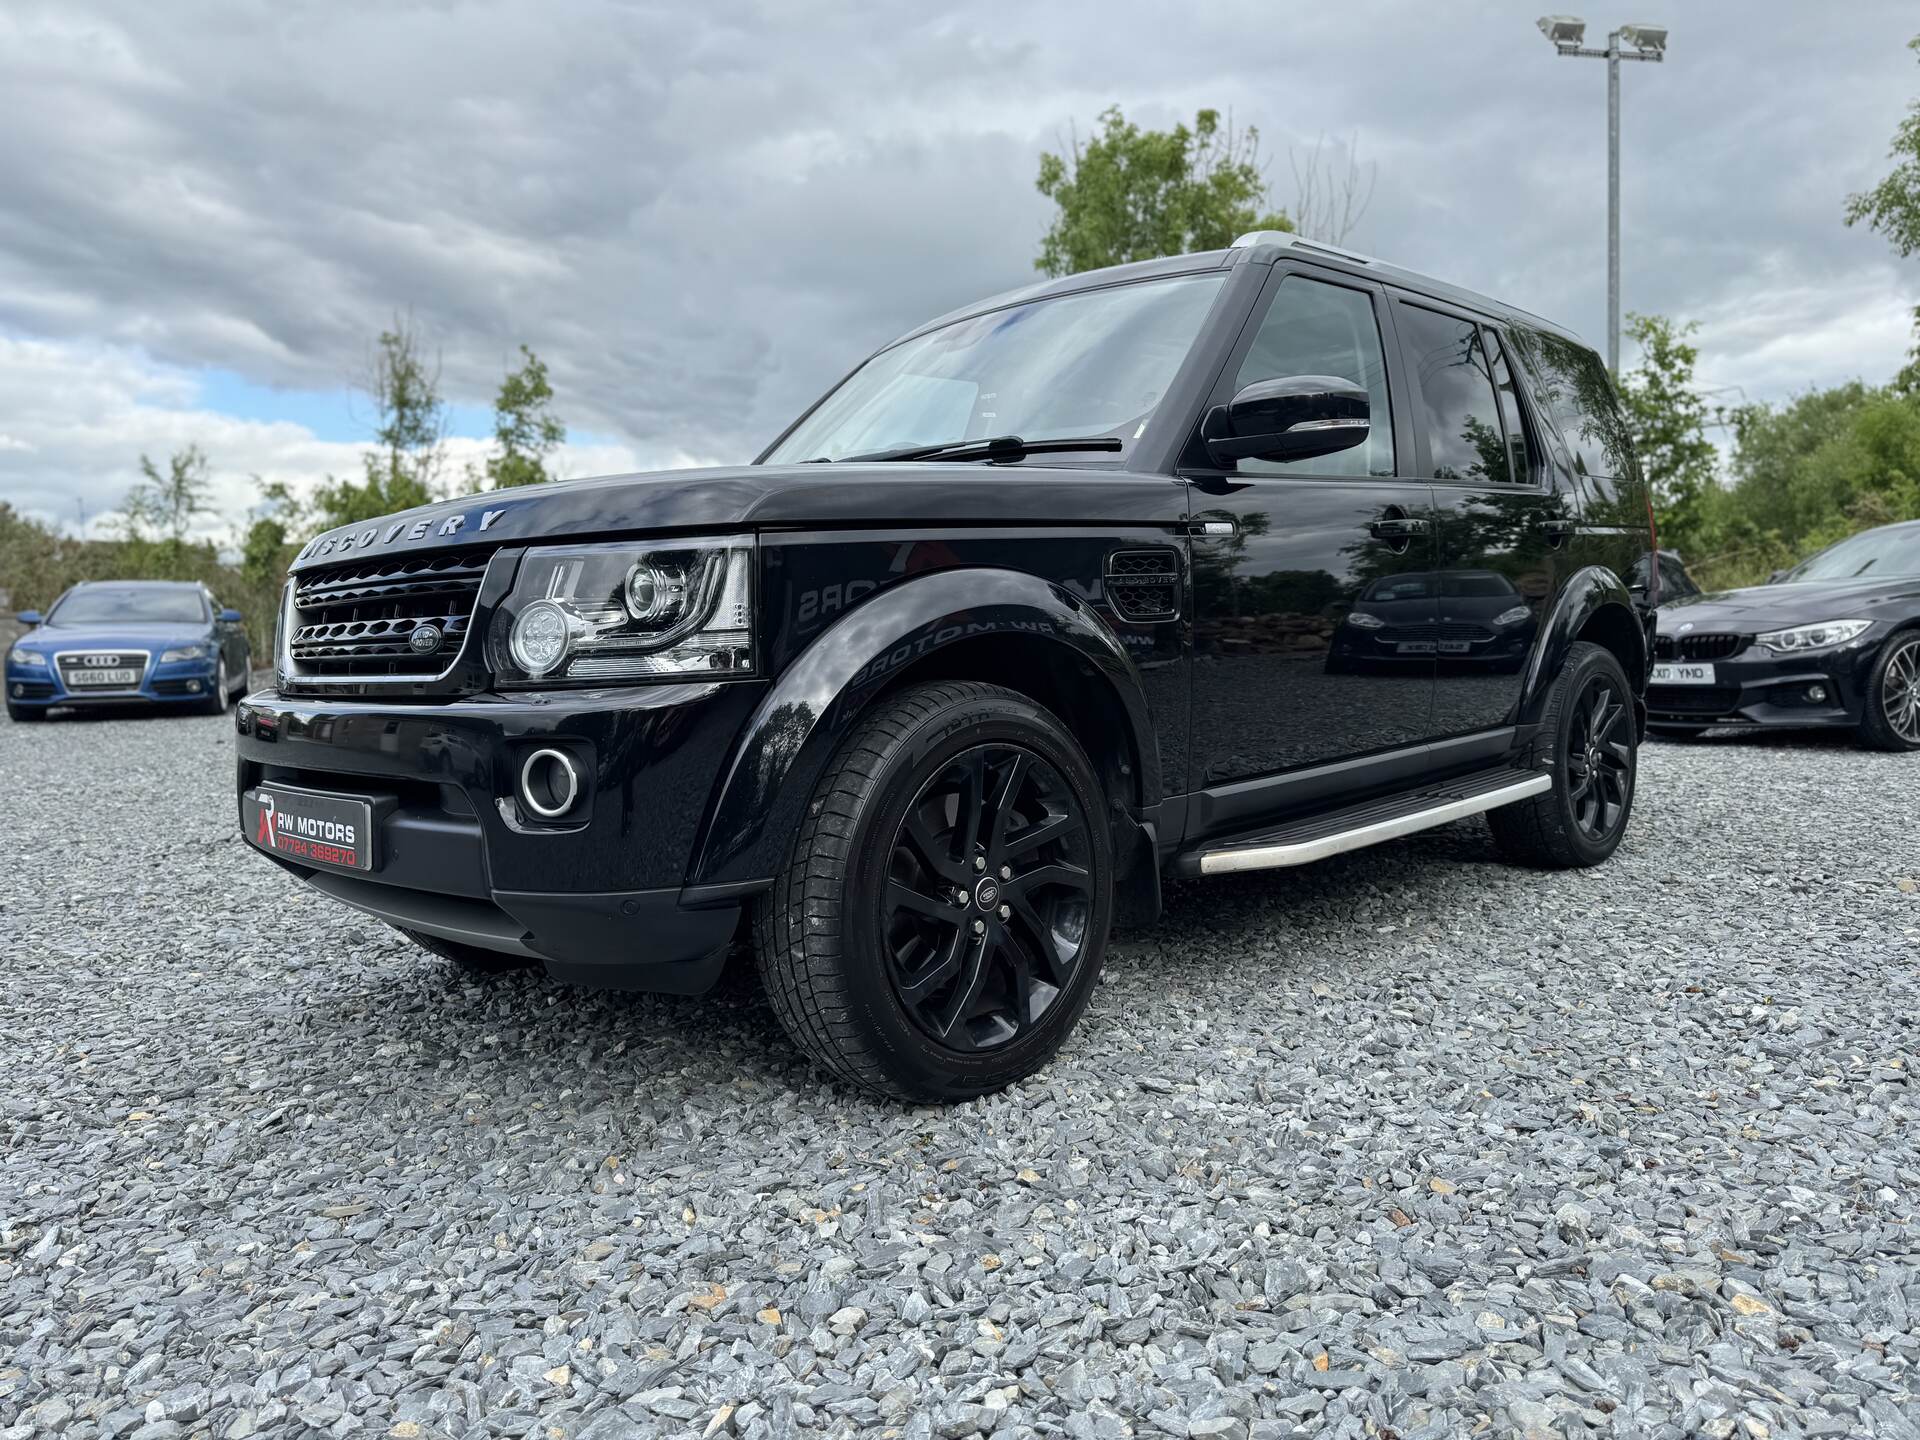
1410	1144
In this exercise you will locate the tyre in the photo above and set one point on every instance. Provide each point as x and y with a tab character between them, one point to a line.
472	959
1588	722
942	919
1890	719
1677	732
26	714
217	702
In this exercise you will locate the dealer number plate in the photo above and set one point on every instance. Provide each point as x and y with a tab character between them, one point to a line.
331	831
1678	674
121	678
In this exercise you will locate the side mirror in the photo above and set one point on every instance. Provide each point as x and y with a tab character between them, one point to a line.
1295	418
28	617
1776	577
230	616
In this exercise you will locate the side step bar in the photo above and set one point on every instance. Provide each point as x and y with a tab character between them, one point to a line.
1357	826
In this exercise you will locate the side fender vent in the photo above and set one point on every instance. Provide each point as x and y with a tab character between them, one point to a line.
1144	585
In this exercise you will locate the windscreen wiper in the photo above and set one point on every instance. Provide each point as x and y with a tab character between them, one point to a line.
1000	447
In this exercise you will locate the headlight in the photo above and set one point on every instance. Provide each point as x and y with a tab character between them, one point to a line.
599	614
1821	635
1361	620
185	652
29	658
1513	616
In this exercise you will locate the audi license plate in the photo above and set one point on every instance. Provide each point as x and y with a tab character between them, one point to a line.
123	679
1682	674
332	831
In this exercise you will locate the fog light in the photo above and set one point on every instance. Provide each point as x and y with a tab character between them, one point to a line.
1816	694
550	783
193	687
18	691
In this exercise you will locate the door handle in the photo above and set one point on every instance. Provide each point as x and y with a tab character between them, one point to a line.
1397	528
1558	530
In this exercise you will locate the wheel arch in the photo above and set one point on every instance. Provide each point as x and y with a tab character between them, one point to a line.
1594	605
1003	626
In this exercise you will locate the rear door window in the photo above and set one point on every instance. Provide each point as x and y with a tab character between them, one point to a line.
1453	392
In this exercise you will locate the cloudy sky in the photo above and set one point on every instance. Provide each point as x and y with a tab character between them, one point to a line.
702	214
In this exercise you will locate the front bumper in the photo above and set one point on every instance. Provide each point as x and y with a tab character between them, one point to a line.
600	896
178	682
1757	687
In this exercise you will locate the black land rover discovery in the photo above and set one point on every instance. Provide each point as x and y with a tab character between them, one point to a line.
1208	564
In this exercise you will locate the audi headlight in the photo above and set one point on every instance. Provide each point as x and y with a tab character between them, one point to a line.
1513	616
184	652
1822	635
600	614
1361	620
33	659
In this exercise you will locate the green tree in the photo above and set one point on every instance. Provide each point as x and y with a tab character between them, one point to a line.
524	427
410	426
1133	194
1893	206
1669	420
168	503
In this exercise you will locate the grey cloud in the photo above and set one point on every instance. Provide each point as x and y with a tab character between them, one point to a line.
702	215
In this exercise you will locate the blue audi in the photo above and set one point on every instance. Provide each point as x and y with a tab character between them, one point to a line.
145	643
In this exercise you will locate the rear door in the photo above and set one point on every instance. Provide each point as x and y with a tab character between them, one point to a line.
1300	568
1502	526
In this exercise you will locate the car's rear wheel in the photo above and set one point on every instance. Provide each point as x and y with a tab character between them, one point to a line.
943	917
1588	722
1890	719
473	959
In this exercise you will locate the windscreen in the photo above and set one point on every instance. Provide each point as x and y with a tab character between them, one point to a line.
1871	556
1094	363
108	605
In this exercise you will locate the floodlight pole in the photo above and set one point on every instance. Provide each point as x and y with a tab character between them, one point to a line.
1613	55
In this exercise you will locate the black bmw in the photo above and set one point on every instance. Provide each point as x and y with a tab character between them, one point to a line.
1835	642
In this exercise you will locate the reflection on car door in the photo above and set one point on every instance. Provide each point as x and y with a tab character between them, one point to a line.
1293	667
1502	526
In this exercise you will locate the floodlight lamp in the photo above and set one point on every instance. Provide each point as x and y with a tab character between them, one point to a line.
1649	39
1563	30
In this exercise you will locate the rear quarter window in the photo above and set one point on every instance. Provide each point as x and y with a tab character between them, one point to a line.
1576	395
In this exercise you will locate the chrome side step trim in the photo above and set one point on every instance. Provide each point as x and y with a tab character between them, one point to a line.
1304	852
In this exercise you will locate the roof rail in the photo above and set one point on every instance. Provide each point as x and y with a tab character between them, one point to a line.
1301	242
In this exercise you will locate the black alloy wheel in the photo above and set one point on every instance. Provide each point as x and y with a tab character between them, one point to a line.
988	898
1590	741
941	920
1600	757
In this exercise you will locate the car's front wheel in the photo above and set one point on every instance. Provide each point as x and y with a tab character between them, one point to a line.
1588	722
222	696
943	915
1890	720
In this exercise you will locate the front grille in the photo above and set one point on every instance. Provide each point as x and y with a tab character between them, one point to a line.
134	660
1692	699
361	620
1698	647
1436	630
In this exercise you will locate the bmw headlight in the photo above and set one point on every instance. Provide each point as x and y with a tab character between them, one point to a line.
183	652
1512	617
32	659
607	614
1822	635
1361	620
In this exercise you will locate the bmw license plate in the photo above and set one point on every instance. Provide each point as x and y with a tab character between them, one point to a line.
309	828
122	679
1668	673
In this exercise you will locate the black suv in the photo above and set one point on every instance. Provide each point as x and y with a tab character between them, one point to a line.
1200	565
